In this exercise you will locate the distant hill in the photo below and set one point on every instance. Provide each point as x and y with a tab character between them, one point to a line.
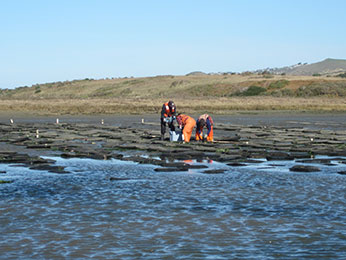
326	67
325	78
196	73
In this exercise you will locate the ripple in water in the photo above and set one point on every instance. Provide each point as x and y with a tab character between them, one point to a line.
260	211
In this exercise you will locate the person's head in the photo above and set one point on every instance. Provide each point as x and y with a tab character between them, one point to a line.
172	106
201	123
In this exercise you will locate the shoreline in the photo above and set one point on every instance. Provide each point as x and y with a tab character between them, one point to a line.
308	119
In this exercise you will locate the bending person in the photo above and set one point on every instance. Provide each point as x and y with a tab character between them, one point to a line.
186	123
167	116
205	121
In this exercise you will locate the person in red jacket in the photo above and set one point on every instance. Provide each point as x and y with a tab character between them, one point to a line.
168	113
205	121
187	123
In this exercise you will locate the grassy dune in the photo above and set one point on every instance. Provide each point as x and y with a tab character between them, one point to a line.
219	94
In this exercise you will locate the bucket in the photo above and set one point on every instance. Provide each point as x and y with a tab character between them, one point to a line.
176	136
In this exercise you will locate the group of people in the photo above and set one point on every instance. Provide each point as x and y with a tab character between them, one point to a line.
186	123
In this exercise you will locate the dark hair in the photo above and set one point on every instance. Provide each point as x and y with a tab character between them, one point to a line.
172	106
201	123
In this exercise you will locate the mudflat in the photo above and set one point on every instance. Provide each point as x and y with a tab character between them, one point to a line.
238	138
312	120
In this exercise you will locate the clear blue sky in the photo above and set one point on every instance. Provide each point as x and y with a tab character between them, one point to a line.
46	41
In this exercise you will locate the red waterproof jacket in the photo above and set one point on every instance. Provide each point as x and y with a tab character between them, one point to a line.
166	110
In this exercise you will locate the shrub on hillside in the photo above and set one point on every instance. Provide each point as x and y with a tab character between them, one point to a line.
176	83
252	91
282	93
342	75
323	89
206	90
37	89
278	84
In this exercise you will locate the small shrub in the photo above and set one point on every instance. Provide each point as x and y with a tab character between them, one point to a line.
252	91
282	93
126	91
176	83
342	75
316	75
321	89
287	92
278	84
37	89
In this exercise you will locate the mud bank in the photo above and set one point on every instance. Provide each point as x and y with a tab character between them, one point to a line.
273	137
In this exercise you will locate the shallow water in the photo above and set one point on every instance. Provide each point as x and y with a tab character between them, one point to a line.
260	211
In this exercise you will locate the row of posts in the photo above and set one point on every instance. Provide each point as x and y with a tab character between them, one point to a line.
57	122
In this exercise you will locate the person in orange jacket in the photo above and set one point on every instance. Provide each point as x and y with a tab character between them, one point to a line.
187	123
205	120
168	113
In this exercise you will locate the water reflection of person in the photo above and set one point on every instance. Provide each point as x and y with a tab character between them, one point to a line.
205	120
188	161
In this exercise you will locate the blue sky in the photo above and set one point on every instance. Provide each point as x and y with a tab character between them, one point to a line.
46	41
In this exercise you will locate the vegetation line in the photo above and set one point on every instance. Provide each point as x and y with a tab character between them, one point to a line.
153	106
218	94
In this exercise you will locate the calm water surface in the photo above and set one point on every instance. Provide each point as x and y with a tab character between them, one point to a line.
261	211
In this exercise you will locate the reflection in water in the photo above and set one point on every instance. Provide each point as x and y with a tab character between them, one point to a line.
123	210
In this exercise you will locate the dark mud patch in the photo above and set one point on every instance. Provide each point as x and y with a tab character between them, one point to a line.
304	168
215	171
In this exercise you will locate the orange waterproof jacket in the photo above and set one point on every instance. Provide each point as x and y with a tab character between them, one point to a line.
166	111
188	123
182	119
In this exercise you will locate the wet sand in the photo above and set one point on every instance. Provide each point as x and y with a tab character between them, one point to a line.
326	120
238	138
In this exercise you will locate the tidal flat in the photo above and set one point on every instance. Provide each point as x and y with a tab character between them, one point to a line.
238	138
271	186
